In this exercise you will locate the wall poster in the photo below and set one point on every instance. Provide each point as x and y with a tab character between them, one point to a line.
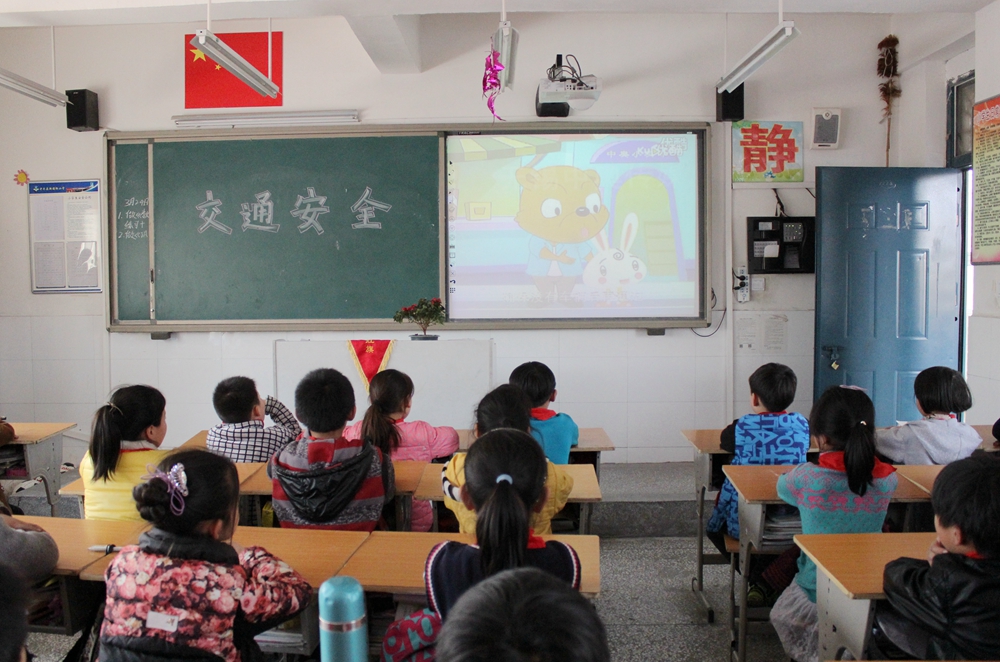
767	151
65	235
986	189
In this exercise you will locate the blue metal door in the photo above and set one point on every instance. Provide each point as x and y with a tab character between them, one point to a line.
888	280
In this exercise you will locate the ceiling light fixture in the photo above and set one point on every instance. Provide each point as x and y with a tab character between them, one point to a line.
29	88
209	44
244	120
777	39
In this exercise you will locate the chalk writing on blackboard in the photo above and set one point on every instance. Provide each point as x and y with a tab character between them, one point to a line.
367	207
309	215
259	215
208	211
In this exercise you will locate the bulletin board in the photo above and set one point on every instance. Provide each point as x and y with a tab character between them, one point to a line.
65	236
986	192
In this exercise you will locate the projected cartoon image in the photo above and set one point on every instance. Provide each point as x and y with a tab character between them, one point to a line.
561	226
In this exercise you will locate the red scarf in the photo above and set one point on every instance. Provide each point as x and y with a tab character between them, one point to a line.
398	421
975	555
835	460
542	413
535	542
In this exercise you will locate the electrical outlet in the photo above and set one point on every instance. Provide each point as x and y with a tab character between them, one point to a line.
741	285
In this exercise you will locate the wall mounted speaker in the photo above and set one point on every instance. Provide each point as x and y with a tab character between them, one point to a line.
826	128
729	105
81	111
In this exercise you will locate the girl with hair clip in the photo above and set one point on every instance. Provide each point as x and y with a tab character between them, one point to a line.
186	591
507	407
385	427
847	492
505	482
125	438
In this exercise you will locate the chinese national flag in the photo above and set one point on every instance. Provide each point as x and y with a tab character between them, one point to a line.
208	85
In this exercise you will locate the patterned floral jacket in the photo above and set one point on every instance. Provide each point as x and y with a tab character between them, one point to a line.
194	598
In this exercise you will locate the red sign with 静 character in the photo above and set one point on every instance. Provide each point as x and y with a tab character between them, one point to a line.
767	151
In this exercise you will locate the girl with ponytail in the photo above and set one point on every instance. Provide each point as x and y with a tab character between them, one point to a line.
847	492
126	436
505	473
386	428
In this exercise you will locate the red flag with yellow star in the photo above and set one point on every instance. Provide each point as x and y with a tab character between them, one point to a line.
208	85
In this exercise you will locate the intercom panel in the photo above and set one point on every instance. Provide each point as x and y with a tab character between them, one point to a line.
781	244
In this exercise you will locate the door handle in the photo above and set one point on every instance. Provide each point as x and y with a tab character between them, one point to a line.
833	351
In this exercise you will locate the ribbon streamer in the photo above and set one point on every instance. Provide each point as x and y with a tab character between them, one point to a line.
491	80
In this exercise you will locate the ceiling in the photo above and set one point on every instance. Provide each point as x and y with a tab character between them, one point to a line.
107	12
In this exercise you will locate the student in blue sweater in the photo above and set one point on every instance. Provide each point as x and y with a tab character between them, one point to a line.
847	492
770	435
557	433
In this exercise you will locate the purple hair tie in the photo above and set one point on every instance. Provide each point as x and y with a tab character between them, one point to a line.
176	480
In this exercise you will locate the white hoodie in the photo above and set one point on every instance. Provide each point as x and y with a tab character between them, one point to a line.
932	440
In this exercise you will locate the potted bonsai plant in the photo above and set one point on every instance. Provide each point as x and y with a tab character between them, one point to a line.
423	313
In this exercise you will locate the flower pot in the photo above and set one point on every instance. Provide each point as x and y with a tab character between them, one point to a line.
423	336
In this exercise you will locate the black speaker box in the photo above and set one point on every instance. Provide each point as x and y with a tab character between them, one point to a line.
81	111
729	105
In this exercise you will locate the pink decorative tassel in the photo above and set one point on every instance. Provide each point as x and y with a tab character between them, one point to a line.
491	80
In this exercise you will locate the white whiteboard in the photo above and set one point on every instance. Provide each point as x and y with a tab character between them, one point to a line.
450	376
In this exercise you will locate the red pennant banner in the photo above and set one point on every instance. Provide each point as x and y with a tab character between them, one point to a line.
208	85
370	356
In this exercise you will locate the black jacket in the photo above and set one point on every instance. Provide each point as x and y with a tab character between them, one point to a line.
956	602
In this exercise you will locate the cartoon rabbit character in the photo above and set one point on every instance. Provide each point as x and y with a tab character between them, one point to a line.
612	270
561	208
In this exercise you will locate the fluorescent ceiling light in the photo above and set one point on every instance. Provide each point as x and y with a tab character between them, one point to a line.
232	121
32	89
762	52
234	63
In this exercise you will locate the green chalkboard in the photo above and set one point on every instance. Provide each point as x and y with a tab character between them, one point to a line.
131	231
330	228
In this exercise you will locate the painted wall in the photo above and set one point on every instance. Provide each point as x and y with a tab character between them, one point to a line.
58	363
984	325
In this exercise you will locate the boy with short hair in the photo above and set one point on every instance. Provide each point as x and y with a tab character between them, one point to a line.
322	480
242	436
556	433
947	607
769	435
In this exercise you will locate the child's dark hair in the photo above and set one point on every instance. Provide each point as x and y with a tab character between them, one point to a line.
234	399
506	406
505	474
523	615
213	491
967	494
536	380
942	390
323	400
126	415
388	391
846	417
774	385
13	613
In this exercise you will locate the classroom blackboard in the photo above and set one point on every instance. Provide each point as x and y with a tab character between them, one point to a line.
274	229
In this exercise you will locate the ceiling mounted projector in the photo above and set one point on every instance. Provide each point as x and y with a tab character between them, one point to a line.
565	87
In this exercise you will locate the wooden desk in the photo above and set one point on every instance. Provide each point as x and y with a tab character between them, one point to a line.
74	536
989	442
708	456
199	440
921	475
757	488
316	555
586	490
848	577
588	450
41	445
393	562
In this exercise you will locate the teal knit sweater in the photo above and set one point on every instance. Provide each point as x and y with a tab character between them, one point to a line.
828	506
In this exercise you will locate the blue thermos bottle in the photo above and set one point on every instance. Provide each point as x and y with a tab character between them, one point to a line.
343	625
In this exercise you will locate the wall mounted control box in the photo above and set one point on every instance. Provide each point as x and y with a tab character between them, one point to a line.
781	244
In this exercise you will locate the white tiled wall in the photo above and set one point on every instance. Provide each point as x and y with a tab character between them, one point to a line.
983	361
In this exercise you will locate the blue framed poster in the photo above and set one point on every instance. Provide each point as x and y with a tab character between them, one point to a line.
65	235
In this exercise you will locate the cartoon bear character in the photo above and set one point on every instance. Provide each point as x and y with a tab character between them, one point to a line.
561	207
